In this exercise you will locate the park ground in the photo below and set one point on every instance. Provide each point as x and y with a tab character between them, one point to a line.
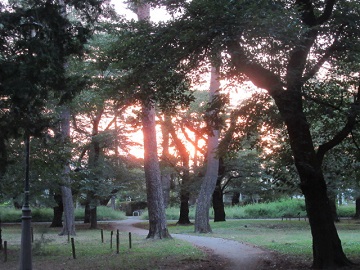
220	253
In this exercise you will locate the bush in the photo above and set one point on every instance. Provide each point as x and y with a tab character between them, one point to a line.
103	213
346	210
10	214
46	214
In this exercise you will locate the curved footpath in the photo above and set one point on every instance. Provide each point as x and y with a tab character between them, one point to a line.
239	256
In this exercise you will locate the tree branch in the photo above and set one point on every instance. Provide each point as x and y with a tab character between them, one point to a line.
258	75
328	53
346	130
321	102
329	6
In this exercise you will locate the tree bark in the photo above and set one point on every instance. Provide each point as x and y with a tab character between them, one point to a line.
218	202
357	208
156	208
87	213
93	217
3	156
157	219
202	224
58	211
67	198
327	249
235	199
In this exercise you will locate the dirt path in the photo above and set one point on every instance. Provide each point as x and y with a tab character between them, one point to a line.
239	256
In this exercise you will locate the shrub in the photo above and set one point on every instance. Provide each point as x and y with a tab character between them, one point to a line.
46	214
346	210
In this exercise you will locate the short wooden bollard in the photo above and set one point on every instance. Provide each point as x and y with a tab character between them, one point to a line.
117	243
111	238
5	251
129	239
73	247
102	236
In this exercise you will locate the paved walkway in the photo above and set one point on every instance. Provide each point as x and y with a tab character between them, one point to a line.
240	256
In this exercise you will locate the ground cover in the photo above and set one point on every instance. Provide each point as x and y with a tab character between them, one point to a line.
51	251
290	238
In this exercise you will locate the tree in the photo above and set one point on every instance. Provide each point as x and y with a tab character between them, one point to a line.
282	59
287	93
156	207
212	162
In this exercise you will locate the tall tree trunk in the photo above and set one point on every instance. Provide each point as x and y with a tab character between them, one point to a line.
202	224
357	208
3	156
185	193
58	211
67	198
235	199
218	202
156	208
332	201
87	212
327	249
155	200
93	217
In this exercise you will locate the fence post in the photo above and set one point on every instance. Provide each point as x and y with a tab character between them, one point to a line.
102	236
73	247
130	240
117	243
111	238
5	251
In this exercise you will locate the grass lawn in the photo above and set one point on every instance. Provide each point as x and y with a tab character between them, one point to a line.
291	238
51	251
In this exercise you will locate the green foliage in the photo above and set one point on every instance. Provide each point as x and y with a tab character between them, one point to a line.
10	214
275	209
103	213
46	214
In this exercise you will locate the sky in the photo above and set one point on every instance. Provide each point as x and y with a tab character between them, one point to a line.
155	14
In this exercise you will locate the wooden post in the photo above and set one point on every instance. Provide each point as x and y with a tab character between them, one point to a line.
111	238
102	236
130	240
5	251
73	247
117	243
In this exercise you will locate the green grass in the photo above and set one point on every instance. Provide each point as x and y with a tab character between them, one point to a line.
8	214
51	251
261	210
292	238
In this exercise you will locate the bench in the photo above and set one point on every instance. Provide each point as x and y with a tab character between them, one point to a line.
290	216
